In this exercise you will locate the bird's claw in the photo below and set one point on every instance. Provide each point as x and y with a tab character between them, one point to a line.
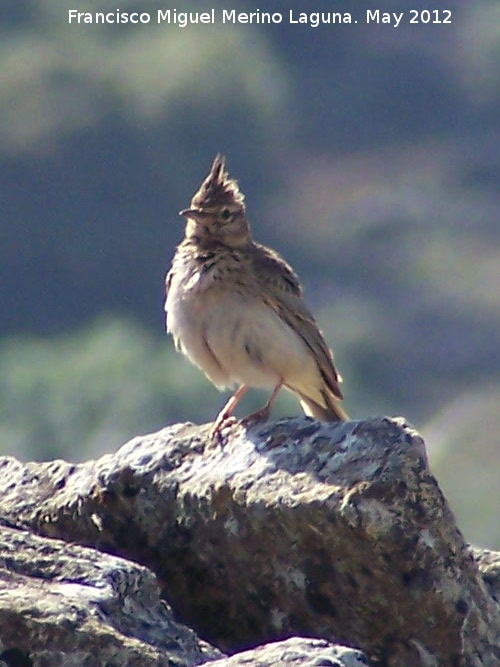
221	424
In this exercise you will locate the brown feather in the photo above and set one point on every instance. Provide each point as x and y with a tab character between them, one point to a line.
218	189
279	287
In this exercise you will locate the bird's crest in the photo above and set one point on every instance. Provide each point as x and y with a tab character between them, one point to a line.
218	188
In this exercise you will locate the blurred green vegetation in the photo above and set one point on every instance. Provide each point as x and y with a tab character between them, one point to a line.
59	78
79	395
370	157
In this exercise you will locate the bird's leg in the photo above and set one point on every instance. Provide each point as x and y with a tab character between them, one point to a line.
263	413
227	410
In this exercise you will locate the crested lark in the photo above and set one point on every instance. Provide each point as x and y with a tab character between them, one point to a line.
235	309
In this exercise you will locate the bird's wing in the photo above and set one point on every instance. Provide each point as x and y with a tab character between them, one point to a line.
278	285
271	270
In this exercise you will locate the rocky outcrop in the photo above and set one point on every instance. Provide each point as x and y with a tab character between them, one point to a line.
296	528
64	605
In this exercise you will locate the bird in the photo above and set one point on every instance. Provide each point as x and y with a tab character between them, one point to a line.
235	308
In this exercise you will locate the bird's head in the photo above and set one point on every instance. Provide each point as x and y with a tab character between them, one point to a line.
217	210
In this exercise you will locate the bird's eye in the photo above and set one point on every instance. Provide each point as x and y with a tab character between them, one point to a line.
225	214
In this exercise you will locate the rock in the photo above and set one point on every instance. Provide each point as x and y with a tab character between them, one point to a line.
67	606
296	652
336	531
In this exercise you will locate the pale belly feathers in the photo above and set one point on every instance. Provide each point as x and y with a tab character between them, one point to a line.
236	339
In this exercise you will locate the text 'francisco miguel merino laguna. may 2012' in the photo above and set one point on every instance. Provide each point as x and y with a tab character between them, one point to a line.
224	16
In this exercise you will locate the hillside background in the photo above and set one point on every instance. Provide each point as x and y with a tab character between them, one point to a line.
370	157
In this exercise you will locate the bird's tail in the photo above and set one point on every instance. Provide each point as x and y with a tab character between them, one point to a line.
330	412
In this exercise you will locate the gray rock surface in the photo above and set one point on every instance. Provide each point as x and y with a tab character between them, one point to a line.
296	652
67	606
337	531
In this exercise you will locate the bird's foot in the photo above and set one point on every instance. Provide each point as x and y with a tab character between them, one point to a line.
257	416
221	427
264	412
222	423
225	418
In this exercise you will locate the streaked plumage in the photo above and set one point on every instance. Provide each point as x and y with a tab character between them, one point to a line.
235	308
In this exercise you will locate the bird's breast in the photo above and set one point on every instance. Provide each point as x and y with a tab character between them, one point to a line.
220	321
189	309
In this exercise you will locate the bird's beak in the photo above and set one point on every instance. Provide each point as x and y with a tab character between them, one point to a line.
195	213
